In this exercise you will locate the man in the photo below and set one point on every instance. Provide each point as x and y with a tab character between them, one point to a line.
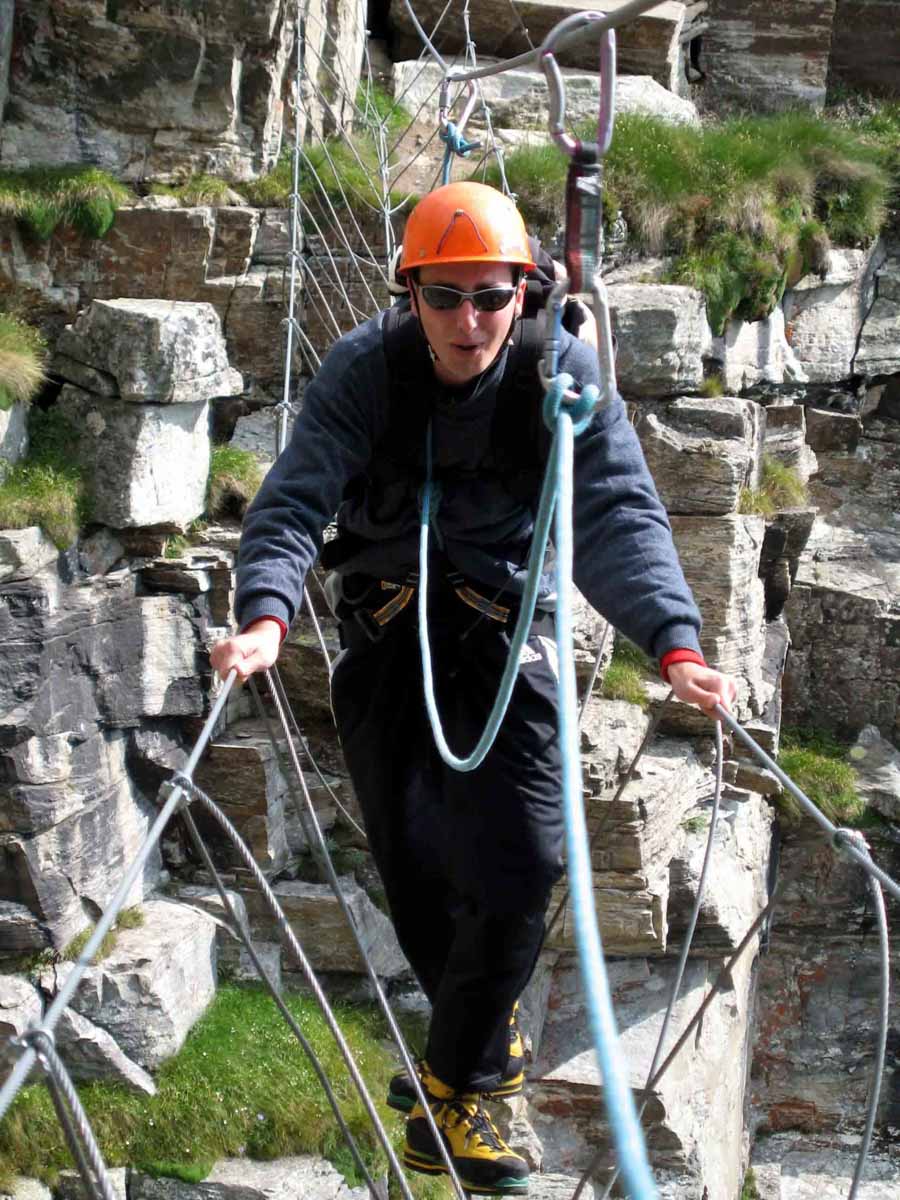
467	860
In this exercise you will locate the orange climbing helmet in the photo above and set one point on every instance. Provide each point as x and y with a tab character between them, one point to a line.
464	222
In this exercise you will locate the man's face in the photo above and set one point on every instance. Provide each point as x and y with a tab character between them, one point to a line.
465	340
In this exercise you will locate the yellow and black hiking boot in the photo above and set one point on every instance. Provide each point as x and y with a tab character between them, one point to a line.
402	1095
482	1160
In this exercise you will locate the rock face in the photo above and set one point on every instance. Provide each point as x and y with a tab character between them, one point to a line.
865	50
24	552
301	1178
179	90
817	1003
755	352
701	452
843	606
144	370
154	985
518	99
663	335
80	666
694	1116
155	351
777	51
314	915
13	436
825	316
204	256
786	1167
652	44
877	766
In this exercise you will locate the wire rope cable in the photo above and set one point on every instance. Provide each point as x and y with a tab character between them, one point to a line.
686	945
244	937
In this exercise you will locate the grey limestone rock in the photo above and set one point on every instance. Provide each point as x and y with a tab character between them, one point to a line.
305	1177
20	930
785	439
518	98
877	766
147	464
756	352
663	335
879	341
70	1186
13	435
156	982
24	552
694	1119
28	1189
158	351
701	452
788	1166
824	316
314	914
20	1007
90	1053
99	552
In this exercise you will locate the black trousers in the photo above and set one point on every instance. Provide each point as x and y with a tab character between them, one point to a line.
467	859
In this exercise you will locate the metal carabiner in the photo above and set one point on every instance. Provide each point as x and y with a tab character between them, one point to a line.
444	104
556	86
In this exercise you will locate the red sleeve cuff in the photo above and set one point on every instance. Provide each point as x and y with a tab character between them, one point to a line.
677	656
278	621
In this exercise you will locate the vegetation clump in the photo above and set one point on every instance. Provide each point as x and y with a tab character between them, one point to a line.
23	352
234	479
41	198
780	487
345	168
240	1086
743	208
197	189
128	918
626	674
821	768
45	489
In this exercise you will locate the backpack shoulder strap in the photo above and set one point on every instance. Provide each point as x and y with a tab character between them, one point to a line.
520	440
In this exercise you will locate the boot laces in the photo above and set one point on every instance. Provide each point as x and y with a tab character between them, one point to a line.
479	1124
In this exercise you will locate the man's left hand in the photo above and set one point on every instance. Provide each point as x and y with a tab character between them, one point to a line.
696	684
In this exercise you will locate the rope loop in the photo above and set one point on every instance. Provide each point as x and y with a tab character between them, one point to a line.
581	409
454	140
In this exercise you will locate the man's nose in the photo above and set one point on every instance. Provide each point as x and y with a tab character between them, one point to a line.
466	315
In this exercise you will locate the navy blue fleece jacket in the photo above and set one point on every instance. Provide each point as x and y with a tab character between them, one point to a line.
625	561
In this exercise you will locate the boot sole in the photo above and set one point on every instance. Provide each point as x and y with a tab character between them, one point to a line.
436	1166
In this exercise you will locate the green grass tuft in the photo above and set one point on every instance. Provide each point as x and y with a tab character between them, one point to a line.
240	1086
41	198
46	489
23	352
780	487
820	767
626	674
234	479
128	918
742	207
198	189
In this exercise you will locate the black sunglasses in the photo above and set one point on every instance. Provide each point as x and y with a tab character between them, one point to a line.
490	299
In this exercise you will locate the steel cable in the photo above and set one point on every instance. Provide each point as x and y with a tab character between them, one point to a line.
884	1001
282	708
72	1117
682	957
20	1071
290	939
247	941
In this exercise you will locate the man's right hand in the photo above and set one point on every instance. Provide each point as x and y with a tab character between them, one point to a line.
255	650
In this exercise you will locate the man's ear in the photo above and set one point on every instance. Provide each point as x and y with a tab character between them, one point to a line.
520	295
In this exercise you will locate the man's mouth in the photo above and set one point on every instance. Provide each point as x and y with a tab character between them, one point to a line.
467	347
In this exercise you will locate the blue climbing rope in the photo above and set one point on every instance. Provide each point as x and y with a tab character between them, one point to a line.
620	1108
454	143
